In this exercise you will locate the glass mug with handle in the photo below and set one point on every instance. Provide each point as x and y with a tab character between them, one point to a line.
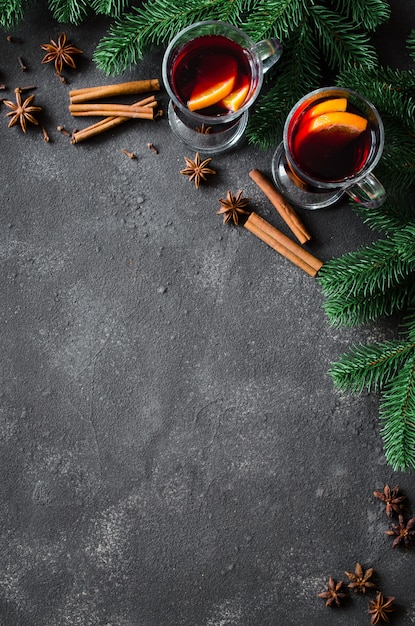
333	138
213	72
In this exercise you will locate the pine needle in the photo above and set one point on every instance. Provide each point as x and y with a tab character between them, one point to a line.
397	412
69	11
370	367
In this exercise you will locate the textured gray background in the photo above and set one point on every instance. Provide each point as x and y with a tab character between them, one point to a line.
172	450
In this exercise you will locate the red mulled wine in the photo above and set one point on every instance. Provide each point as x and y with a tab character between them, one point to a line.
211	75
330	145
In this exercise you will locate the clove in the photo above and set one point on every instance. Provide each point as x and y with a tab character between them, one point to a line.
130	155
22	64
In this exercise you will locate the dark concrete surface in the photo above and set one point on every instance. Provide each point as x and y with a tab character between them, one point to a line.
172	449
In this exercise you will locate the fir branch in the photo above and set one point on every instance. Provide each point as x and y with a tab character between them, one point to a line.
341	43
297	72
410	44
397	412
375	268
112	8
370	367
359	309
408	324
397	212
12	12
391	91
154	23
275	18
367	14
69	11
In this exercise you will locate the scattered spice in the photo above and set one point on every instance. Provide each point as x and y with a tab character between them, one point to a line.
12	39
379	608
27	88
392	498
63	130
360	581
333	595
22	64
197	170
60	53
3	87
153	148
130	155
22	112
45	134
232	207
61	78
404	532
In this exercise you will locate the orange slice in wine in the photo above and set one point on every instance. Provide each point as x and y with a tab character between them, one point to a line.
327	106
236	98
344	125
215	81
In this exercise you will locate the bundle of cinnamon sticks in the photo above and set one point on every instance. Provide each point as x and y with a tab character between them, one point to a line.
113	114
270	235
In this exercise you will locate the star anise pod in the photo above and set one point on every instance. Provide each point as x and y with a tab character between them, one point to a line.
379	608
392	499
232	206
197	170
404	532
360	580
22	112
60	52
333	595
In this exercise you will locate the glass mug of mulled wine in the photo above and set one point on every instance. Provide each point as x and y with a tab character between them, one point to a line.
213	72
332	140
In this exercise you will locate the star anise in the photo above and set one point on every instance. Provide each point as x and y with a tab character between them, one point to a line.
379	608
333	595
197	170
60	52
392	499
359	581
232	206
404	532
22	112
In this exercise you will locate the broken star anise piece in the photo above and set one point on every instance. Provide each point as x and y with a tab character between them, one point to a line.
60	52
197	170
333	595
360	581
22	112
404	532
232	206
379	608
392	498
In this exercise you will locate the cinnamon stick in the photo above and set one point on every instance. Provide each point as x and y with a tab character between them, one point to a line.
283	244
104	91
98	128
118	110
285	210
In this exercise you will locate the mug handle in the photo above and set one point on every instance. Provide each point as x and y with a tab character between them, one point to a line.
369	192
269	51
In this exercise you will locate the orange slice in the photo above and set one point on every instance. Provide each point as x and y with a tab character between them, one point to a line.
216	79
345	126
327	106
236	98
